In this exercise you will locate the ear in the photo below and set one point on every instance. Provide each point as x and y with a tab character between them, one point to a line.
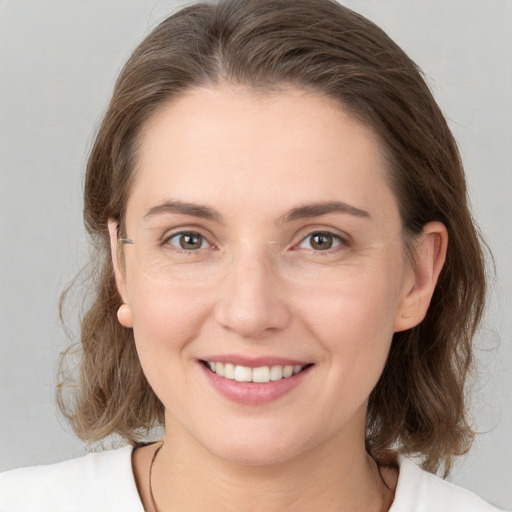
124	313
429	257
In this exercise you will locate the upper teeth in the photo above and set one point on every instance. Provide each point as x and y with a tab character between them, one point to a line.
246	374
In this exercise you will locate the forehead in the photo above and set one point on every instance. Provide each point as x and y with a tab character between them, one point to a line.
234	147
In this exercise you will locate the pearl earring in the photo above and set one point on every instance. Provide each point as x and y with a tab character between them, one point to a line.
124	315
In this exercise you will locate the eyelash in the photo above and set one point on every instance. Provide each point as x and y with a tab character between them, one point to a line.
339	241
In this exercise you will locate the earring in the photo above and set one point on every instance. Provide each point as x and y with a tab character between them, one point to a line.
124	315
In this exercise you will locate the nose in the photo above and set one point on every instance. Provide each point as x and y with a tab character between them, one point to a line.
251	299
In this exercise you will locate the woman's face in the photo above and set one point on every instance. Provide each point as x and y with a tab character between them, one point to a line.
266	236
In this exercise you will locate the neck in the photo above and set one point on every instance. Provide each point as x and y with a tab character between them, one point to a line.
336	476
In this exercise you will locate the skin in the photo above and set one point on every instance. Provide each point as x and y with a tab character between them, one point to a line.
259	288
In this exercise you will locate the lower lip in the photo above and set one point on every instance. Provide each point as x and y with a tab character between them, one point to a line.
254	393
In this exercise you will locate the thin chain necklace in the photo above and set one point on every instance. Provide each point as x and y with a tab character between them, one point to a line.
152	497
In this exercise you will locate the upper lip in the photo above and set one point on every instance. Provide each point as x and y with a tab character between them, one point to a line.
254	362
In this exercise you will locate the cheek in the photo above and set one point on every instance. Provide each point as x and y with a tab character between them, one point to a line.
351	305
165	321
353	320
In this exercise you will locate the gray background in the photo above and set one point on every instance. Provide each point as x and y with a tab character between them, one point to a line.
58	61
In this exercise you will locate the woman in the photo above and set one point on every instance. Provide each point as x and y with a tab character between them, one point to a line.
289	278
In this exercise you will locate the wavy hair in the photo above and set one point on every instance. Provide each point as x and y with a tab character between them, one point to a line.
418	406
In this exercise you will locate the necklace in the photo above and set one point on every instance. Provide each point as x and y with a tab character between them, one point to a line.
152	498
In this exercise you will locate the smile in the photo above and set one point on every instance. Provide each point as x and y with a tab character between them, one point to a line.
261	374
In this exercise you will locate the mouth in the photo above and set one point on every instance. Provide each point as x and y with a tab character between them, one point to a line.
260	375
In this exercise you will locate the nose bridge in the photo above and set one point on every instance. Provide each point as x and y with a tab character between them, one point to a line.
252	267
252	300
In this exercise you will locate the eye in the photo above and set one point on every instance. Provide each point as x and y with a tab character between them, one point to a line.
320	241
187	240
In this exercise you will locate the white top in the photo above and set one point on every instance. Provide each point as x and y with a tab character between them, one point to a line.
104	482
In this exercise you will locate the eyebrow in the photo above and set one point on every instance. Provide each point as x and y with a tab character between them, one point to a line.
300	212
324	208
192	209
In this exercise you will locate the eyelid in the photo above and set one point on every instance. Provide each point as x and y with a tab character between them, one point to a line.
307	231
186	228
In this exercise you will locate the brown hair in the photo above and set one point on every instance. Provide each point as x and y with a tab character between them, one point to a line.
418	406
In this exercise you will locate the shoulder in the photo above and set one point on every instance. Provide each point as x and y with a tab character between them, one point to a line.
98	481
420	491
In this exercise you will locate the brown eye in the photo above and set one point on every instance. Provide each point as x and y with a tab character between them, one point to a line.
188	240
320	241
